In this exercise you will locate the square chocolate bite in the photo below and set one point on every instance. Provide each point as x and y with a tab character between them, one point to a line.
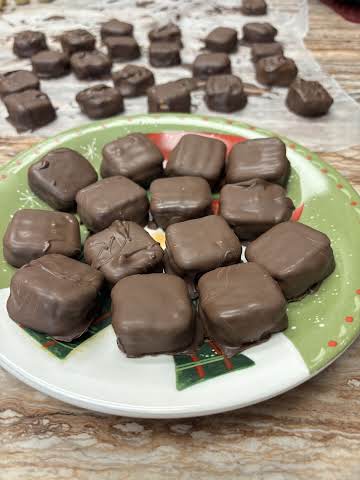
17	82
166	33
296	256
198	246
50	64
121	250
100	101
240	305
254	7
225	93
59	175
134	156
308	99
29	110
221	39
116	28
141	323
164	54
277	70
34	233
133	80
253	207
261	50
263	158
78	40
122	48
169	97
207	64
174	200
114	198
257	32
92	64
197	156
29	42
63	292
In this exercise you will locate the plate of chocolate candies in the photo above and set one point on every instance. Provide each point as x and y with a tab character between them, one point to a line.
174	265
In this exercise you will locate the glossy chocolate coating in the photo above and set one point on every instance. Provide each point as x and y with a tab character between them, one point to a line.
78	40
133	80
18	81
92	64
263	158
253	207
100	101
121	250
178	199
116	28
50	64
63	292
114	198
166	33
207	64
261	50
241	304
308	99
254	7
122	49
198	246
277	71
221	39
296	256
169	97
141	323
197	156
34	233
59	175
29	42
134	156
164	54
225	93
29	110
256	32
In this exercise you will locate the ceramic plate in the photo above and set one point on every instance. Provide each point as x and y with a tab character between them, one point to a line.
92	373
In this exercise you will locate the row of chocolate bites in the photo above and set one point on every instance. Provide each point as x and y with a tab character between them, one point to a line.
29	108
239	303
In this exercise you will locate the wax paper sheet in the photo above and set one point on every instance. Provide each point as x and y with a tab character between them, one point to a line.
339	129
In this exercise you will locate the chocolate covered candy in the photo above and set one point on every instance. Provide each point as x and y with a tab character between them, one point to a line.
296	256
78	40
198	246
253	207
207	64
141	323
164	54
92	64
133	80
166	33
277	71
261	50
308	99
100	101
225	93
133	156
240	305
50	64
116	28
169	97
178	199
254	7
256	32
263	158
18	81
55	295
29	110
114	198
121	250
34	233
59	175
29	42
221	39
197	156
122	49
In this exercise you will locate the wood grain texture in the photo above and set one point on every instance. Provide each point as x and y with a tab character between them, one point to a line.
311	432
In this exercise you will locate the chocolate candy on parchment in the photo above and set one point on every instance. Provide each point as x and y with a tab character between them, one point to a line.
308	98
78	40
133	80
257	32
166	33
29	42
254	7
164	54
169	97
207	64
122	49
261	50
100	101
18	81
90	65
116	28
225	93
276	71
221	39
50	64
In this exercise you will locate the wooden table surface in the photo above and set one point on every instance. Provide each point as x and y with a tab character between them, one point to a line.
312	431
